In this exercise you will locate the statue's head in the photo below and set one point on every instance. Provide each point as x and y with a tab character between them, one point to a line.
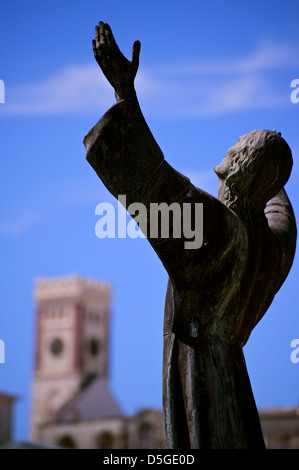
254	170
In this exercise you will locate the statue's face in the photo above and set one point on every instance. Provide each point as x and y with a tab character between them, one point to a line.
229	163
225	168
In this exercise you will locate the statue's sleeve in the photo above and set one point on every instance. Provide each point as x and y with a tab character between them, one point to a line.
123	151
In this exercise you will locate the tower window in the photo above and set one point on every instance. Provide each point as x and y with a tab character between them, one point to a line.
93	346
56	346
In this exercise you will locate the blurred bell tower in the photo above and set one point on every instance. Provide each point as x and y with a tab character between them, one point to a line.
72	332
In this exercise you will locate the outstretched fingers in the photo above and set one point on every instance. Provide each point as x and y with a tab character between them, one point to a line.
95	50
105	41
102	61
100	35
101	49
109	38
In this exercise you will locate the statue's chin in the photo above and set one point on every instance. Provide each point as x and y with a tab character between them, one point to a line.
223	192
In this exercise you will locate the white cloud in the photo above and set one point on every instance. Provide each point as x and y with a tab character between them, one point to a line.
220	87
267	56
74	89
174	90
15	225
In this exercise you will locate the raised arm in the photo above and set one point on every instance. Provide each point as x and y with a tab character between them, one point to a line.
120	147
126	157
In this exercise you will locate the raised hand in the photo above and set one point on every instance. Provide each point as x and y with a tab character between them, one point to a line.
118	70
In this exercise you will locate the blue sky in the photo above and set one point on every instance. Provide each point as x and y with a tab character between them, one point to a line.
209	72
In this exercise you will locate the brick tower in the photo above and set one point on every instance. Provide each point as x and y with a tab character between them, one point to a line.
71	342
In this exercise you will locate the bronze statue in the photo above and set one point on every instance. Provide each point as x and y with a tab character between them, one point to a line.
218	293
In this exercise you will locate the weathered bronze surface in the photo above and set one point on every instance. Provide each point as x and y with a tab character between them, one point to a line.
218	293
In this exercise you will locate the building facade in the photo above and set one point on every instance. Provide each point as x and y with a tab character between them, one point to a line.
280	427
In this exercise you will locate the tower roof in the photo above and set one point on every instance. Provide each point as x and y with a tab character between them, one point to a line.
94	402
68	286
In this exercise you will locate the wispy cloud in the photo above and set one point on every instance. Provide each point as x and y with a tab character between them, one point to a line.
72	90
181	89
17	224
267	56
224	86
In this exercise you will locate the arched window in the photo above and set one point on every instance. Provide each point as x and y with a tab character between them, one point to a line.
105	440
67	441
93	346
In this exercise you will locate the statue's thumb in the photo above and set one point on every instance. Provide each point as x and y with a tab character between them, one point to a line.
135	55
